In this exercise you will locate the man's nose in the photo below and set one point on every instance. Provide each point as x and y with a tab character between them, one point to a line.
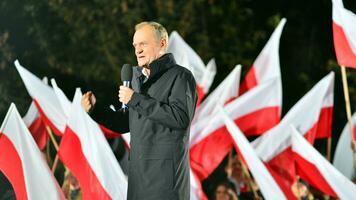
138	51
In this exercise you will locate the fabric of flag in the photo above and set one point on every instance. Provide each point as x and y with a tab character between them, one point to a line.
264	180
316	170
343	157
22	163
36	126
87	154
274	147
45	100
187	57
254	113
226	91
344	34
267	64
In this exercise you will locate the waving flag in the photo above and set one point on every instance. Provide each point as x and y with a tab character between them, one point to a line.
187	57
45	100
273	147
254	113
263	178
22	163
266	65
343	153
226	91
317	171
87	154
344	32
35	124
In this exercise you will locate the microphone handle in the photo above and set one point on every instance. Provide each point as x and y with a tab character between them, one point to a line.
124	106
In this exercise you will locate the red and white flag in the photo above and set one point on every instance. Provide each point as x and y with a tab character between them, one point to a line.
51	104
266	183
226	91
344	33
45	100
36	125
254	113
266	65
87	154
187	57
22	163
317	171
273	147
343	153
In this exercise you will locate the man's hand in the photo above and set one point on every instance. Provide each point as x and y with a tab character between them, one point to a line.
88	101
125	94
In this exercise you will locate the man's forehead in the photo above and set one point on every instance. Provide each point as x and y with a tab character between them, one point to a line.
144	33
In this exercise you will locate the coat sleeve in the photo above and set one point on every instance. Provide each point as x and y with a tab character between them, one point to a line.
115	121
178	112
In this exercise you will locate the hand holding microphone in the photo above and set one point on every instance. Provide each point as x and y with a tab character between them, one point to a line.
125	92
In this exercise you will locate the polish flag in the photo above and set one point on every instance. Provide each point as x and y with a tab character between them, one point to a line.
87	154
266	65
225	92
196	190
254	112
344	32
187	57
343	157
266	183
36	125
22	163
273	147
45	100
317	171
51	104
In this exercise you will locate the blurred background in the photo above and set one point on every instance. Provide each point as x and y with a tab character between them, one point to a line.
84	43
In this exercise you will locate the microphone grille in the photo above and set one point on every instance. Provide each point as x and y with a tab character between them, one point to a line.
126	72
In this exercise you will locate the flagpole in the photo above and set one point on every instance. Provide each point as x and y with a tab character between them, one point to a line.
249	179
348	107
328	146
347	99
55	144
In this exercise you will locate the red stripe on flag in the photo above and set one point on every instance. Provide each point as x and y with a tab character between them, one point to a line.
344	54
39	132
71	154
11	166
200	93
206	155
308	172
285	185
46	120
109	133
325	123
258	122
249	82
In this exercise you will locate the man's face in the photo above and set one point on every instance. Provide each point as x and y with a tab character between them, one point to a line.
147	47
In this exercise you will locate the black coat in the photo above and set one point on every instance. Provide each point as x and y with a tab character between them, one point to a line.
160	113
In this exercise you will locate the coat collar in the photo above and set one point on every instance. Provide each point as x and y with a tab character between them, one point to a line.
161	64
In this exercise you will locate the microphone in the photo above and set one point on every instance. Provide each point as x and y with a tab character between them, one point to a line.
126	77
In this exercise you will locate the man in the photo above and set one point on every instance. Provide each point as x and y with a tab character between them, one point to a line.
161	108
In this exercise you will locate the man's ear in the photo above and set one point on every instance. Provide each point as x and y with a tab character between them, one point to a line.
164	43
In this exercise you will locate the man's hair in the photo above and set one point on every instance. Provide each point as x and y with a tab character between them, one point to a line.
159	30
